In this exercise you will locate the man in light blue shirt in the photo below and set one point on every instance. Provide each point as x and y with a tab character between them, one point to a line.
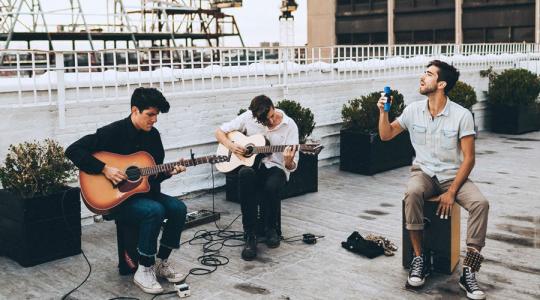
442	134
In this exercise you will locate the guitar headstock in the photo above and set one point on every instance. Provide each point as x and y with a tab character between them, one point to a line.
311	148
216	159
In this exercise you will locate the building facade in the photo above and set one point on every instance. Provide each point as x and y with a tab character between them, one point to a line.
422	21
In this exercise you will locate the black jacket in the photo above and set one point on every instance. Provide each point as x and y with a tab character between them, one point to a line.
119	137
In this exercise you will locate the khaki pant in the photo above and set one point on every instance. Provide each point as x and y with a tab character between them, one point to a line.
421	186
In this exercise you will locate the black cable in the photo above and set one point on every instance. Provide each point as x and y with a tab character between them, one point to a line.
212	242
298	238
74	239
82	252
164	293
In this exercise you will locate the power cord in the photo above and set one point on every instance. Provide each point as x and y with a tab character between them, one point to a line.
74	237
212	241
307	238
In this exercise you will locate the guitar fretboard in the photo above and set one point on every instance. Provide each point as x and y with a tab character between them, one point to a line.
272	148
153	170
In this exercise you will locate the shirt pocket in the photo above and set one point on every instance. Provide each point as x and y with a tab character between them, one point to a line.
419	134
449	139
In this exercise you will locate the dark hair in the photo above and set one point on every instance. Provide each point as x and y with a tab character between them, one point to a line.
447	73
260	106
144	98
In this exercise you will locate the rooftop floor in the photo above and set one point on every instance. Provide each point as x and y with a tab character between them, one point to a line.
507	172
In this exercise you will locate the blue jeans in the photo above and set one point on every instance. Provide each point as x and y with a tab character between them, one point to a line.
148	213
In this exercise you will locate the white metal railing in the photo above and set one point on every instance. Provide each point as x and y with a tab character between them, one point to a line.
36	78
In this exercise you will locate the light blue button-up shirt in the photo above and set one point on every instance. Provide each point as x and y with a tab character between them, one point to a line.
436	140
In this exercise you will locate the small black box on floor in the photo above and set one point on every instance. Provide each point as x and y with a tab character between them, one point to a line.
441	238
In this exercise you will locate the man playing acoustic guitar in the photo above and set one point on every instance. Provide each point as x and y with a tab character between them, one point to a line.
148	210
267	176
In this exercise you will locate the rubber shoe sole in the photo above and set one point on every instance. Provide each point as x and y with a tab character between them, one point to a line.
472	296
147	290
417	284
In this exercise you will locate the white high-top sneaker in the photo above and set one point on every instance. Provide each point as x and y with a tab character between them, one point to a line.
165	270
145	278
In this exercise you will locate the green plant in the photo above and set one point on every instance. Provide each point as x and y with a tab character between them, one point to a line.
36	169
463	94
302	116
363	114
513	87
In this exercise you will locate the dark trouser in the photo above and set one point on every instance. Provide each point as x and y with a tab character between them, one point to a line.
260	186
148	213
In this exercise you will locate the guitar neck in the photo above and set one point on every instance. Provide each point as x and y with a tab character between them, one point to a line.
168	167
272	148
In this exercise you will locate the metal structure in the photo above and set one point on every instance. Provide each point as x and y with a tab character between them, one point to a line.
286	22
138	23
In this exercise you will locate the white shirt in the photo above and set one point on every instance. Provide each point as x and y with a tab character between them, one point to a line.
285	133
436	140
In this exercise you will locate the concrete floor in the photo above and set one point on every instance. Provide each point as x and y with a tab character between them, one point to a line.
507	172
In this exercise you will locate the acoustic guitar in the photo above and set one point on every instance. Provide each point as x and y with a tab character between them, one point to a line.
255	144
100	195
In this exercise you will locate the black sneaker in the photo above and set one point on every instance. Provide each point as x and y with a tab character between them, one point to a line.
467	282
418	272
250	247
272	238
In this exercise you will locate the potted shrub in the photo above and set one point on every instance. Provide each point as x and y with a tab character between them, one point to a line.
36	204
305	178
511	100
464	95
361	149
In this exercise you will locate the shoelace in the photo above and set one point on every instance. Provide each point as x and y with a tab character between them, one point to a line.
470	278
417	267
166	269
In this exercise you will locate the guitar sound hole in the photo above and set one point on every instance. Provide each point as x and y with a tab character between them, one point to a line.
249	150
133	173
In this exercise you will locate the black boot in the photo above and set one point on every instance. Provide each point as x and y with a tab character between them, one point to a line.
467	281
272	238
250	246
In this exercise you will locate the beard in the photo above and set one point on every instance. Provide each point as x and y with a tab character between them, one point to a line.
426	90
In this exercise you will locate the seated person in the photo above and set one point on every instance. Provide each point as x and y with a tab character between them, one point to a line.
144	211
442	134
268	175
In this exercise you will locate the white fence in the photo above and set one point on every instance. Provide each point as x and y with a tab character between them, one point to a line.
59	78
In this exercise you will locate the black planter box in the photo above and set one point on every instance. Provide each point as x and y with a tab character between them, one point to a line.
34	231
366	154
303	180
514	119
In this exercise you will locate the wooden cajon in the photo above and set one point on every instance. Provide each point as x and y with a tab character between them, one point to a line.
441	237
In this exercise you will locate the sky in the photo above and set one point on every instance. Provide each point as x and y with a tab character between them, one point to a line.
258	20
